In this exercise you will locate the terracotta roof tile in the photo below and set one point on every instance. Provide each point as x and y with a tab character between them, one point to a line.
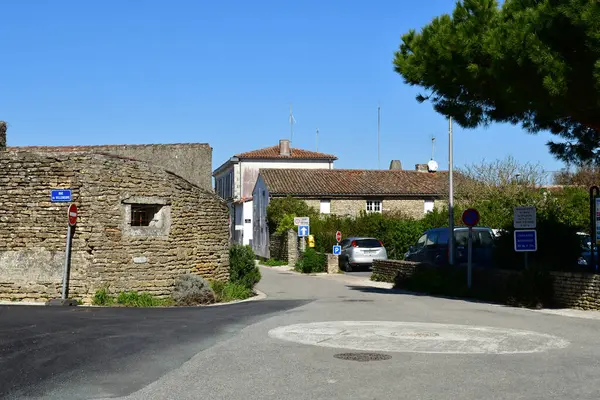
344	182
273	153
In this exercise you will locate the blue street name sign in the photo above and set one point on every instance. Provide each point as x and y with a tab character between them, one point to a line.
303	230
60	195
337	250
526	240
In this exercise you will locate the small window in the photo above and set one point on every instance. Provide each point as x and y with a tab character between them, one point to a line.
325	206
428	206
421	242
143	214
432	239
373	206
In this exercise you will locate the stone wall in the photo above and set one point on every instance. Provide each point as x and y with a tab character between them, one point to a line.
191	161
569	289
278	247
107	251
414	208
409	207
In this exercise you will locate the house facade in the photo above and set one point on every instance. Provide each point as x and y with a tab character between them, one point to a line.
347	193
236	178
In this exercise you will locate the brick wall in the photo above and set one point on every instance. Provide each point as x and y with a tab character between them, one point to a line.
106	250
191	161
570	289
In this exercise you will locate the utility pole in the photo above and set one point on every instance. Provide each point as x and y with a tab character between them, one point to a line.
450	195
378	136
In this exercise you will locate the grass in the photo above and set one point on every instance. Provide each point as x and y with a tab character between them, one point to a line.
230	291
129	299
274	263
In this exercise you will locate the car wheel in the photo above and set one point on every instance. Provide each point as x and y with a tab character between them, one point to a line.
347	266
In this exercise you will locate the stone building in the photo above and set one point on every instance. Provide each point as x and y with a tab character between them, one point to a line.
139	226
347	193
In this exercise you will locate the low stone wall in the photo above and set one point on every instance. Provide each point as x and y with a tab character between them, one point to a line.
569	289
278	247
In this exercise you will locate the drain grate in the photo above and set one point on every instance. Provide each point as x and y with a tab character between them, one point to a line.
358	301
363	357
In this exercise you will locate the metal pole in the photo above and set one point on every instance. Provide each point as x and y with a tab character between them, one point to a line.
378	137
450	196
526	260
65	282
470	258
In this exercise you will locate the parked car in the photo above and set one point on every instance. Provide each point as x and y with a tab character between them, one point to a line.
360	252
585	257
432	246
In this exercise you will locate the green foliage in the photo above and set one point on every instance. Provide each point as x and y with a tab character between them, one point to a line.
230	291
274	263
242	268
513	63
135	299
285	224
191	290
379	278
311	262
103	298
280	211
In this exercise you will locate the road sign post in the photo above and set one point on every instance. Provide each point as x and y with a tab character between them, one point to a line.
525	222
72	221
60	195
301	221
337	250
338	236
470	218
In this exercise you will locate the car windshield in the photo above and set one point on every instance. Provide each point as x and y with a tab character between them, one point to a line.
368	243
481	238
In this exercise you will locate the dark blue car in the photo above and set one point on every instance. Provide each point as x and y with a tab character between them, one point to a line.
432	246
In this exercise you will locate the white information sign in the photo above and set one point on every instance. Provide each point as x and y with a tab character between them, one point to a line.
524	218
301	221
597	238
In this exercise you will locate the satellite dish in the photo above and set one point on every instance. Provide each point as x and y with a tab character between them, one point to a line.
432	166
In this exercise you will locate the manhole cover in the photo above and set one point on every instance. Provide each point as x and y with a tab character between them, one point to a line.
363	357
358	301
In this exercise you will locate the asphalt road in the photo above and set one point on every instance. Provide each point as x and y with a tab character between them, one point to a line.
291	346
90	352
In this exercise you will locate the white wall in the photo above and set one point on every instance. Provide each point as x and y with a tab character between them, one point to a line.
260	236
248	228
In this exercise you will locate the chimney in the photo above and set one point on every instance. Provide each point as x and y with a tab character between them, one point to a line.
396	165
421	168
2	135
284	148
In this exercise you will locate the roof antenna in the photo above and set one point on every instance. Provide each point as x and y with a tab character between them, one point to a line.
317	139
292	122
432	165
432	146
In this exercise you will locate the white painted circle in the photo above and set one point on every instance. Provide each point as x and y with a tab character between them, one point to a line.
416	337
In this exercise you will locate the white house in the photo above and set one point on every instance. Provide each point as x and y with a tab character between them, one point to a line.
235	180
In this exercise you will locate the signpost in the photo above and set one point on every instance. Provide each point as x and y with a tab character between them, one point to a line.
470	218
525	222
303	231
60	195
72	219
338	236
337	250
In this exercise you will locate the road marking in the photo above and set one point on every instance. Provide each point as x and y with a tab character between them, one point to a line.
416	337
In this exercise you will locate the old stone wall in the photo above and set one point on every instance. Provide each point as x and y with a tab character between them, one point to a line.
191	161
409	207
413	208
569	289
278	247
191	236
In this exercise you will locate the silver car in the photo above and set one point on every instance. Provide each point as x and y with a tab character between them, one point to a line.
360	252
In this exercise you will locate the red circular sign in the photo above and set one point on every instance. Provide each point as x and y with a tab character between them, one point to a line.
470	217
72	213
338	236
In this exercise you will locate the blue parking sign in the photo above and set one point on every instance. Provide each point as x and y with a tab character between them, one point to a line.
526	240
337	250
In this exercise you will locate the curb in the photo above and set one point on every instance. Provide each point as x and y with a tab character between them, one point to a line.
259	296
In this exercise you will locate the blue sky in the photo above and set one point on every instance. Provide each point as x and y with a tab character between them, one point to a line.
225	73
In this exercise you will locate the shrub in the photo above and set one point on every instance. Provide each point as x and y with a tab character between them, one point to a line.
311	262
192	290
242	268
229	291
103	298
135	299
292	207
275	263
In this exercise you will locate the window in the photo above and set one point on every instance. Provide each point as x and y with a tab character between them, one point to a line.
421	242
325	206
428	207
144	214
373	206
432	239
227	193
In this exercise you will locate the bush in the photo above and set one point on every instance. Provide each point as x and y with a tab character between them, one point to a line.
242	268
275	263
103	298
191	290
311	262
229	291
287	208
135	299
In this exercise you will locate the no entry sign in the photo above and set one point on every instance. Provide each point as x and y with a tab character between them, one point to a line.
470	217
338	236
72	215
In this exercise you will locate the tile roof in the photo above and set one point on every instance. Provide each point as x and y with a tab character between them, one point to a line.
273	153
345	182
